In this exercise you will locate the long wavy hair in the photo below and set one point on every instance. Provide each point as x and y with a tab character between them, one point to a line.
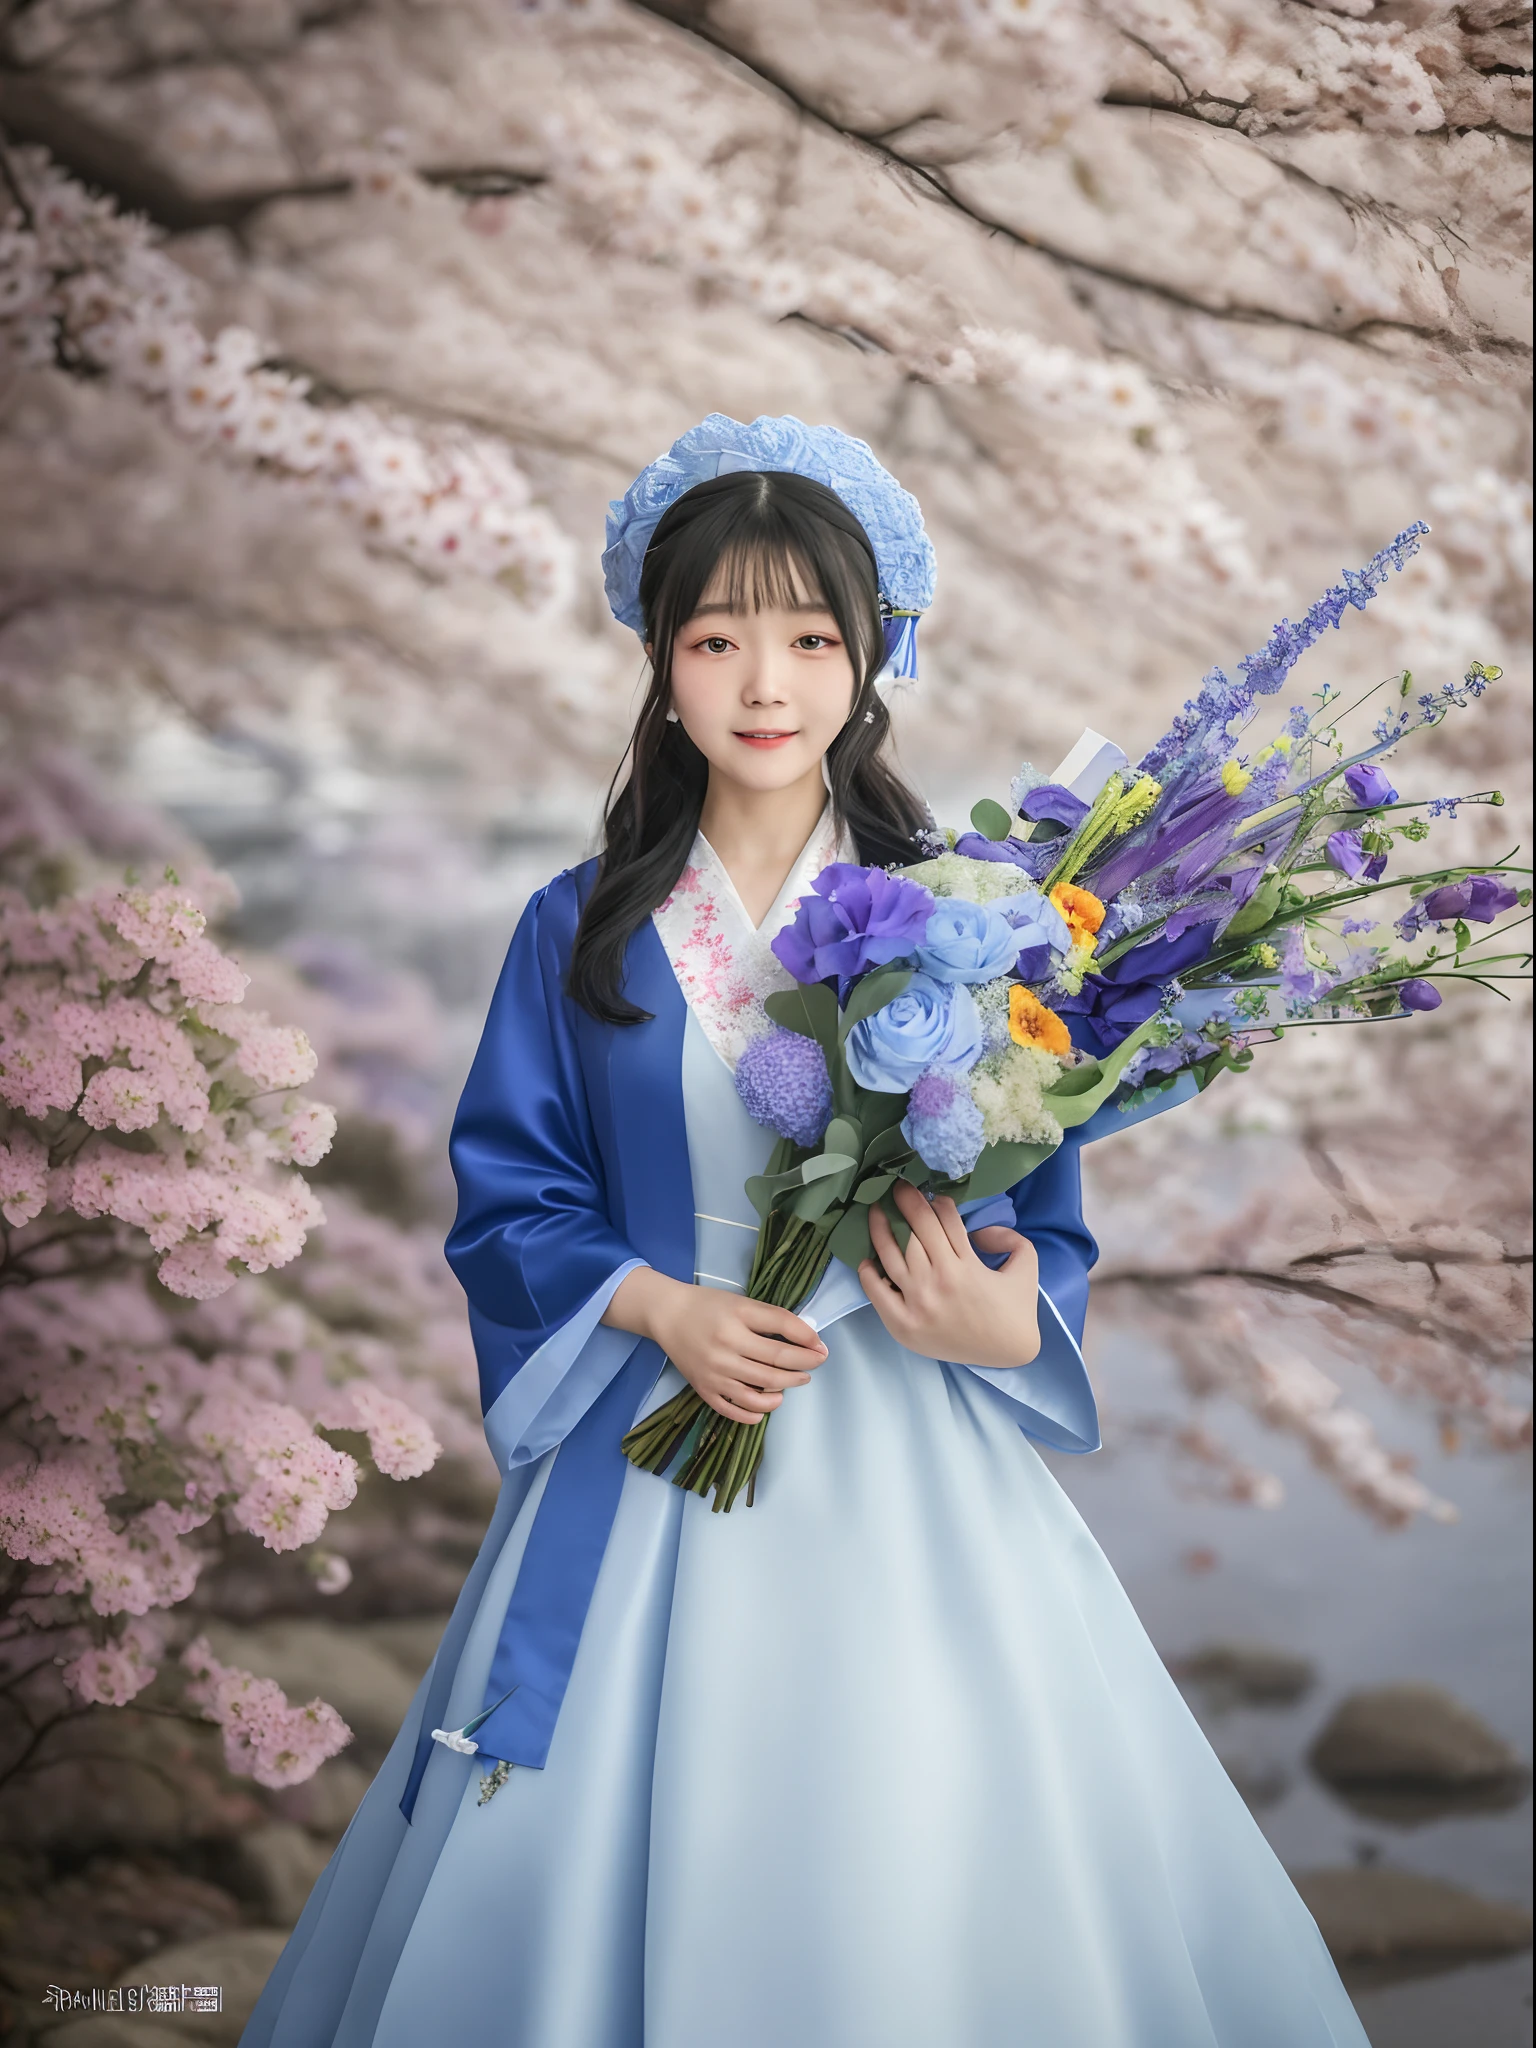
772	538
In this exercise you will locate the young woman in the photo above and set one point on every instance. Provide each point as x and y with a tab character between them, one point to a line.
884	1760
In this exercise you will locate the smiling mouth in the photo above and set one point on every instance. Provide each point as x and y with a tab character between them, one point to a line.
766	738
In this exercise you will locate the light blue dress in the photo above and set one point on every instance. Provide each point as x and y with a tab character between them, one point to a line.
885	1762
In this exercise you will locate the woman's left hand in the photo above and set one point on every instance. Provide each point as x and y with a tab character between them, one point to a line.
938	1298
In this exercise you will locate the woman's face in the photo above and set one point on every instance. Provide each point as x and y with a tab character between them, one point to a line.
762	694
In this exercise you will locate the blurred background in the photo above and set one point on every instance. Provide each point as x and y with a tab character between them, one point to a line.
327	329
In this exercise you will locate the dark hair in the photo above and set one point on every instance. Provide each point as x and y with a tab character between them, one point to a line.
775	536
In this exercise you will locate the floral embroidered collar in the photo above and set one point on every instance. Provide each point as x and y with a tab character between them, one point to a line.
723	962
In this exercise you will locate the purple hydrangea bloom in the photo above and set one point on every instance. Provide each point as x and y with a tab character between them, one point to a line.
851	919
782	1081
1479	899
943	1125
1347	852
1418	995
1368	786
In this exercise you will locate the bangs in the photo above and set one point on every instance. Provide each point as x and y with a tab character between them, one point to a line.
763	572
763	542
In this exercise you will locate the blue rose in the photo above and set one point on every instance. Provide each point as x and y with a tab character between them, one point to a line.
967	942
930	1024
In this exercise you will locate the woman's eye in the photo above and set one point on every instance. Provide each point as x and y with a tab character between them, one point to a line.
716	644
814	642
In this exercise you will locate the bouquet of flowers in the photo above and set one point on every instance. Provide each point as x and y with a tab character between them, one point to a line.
954	1018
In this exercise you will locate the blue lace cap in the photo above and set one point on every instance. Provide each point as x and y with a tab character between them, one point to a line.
718	446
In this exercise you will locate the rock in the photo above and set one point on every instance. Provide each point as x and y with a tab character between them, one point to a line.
116	2030
117	1778
326	1802
275	1868
239	1963
1250	1672
1412	1736
367	1688
1418	1924
86	1928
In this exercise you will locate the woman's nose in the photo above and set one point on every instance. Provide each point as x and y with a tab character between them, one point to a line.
765	684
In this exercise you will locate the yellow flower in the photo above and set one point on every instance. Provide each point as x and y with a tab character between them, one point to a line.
1137	802
1031	1023
1235	778
1267	958
1082	910
1279	746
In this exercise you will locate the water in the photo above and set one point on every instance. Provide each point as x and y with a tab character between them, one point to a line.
1446	1605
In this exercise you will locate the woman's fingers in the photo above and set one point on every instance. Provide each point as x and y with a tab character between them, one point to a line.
735	1410
952	1223
758	1361
927	1231
765	1320
998	1237
887	1250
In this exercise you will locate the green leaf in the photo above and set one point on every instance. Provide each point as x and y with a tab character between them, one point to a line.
844	1135
1076	1080
872	1189
884	1146
814	1202
1000	1167
850	1238
1073	1109
1258	910
991	820
825	1164
810	1009
873	993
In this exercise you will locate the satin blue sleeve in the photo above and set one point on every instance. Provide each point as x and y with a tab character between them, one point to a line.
532	1244
1053	1392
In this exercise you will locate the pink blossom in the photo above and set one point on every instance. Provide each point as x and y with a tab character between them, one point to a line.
23	1177
37	1073
264	1737
118	1670
305	1135
402	1445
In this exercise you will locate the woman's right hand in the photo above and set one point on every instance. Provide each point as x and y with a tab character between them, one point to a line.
740	1356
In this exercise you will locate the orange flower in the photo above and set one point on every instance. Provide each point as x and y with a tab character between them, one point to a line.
1031	1023
1082	910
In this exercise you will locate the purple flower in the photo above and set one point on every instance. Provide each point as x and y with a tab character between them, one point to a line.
943	1125
1368	786
1479	899
1035	860
851	919
1300	982
1051	800
1347	852
1418	995
782	1081
1129	991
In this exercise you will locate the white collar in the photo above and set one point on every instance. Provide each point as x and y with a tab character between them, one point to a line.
724	963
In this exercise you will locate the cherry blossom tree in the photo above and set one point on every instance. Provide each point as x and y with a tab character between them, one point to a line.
327	334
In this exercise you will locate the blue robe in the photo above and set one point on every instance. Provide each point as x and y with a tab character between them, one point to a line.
886	1758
